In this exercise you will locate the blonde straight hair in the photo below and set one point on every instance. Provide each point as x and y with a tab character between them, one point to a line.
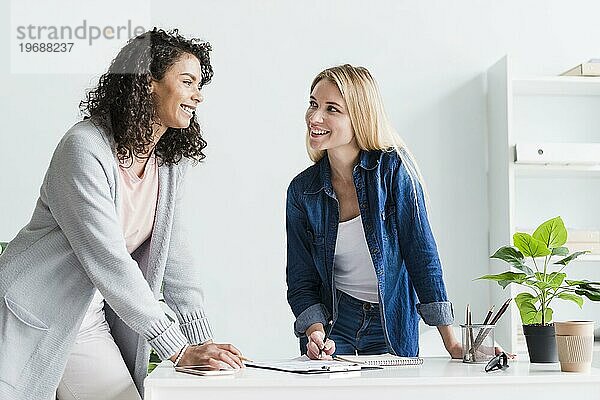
370	123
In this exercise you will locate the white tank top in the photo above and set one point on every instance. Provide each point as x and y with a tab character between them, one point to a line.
353	268
137	204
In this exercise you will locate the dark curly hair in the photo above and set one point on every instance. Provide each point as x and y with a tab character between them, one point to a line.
123	95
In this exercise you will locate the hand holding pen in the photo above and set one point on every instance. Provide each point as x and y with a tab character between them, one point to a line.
319	345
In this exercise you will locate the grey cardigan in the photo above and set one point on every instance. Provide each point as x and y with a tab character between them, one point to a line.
74	243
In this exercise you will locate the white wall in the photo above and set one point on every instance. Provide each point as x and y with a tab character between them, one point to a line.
428	56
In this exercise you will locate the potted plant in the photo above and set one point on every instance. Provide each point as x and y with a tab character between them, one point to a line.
545	282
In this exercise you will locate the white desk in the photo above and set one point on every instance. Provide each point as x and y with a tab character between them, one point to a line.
436	378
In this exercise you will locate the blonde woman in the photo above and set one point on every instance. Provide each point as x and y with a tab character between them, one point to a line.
362	263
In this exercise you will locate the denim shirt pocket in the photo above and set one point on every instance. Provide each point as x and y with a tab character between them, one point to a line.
389	221
316	242
317	239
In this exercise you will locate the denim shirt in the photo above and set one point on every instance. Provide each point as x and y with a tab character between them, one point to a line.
399	238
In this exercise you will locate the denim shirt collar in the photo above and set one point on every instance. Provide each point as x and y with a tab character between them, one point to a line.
322	180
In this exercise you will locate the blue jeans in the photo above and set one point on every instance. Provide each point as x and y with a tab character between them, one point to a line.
358	328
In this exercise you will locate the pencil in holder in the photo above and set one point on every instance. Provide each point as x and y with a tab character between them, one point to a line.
478	343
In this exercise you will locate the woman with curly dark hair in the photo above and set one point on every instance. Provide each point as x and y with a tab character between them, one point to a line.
80	282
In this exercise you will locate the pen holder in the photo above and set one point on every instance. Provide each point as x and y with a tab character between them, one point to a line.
477	343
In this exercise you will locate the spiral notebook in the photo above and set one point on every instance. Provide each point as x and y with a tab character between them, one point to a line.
381	360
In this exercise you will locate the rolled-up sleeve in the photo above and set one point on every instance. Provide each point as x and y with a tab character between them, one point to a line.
436	313
312	315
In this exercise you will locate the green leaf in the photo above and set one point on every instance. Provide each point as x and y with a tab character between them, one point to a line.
573	256
525	297
504	284
571	283
591	290
591	284
572	297
540	276
552	233
547	316
506	278
555	279
590	295
154	361
548	281
560	251
523	268
154	358
530	246
526	304
152	367
512	256
508	254
543	286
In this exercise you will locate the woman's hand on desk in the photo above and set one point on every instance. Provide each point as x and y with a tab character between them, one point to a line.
212	354
498	349
456	349
315	348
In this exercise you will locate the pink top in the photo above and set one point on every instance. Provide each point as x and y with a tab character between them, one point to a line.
139	197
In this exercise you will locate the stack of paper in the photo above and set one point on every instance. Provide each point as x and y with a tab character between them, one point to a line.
590	68
558	153
305	366
583	240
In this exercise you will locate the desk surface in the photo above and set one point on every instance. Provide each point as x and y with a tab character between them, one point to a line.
436	377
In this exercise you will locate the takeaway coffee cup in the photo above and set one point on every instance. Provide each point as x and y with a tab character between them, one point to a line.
575	344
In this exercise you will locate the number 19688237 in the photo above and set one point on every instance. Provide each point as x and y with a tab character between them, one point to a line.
28	47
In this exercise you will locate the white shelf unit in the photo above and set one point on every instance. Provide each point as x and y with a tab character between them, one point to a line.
544	110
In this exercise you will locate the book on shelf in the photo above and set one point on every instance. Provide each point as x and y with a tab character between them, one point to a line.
557	153
584	236
593	248
590	68
583	240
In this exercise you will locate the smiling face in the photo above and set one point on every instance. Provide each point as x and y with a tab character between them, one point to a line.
327	118
177	94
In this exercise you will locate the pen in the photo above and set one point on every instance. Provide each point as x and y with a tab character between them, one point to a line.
245	359
469	329
489	315
486	321
493	321
501	311
330	325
